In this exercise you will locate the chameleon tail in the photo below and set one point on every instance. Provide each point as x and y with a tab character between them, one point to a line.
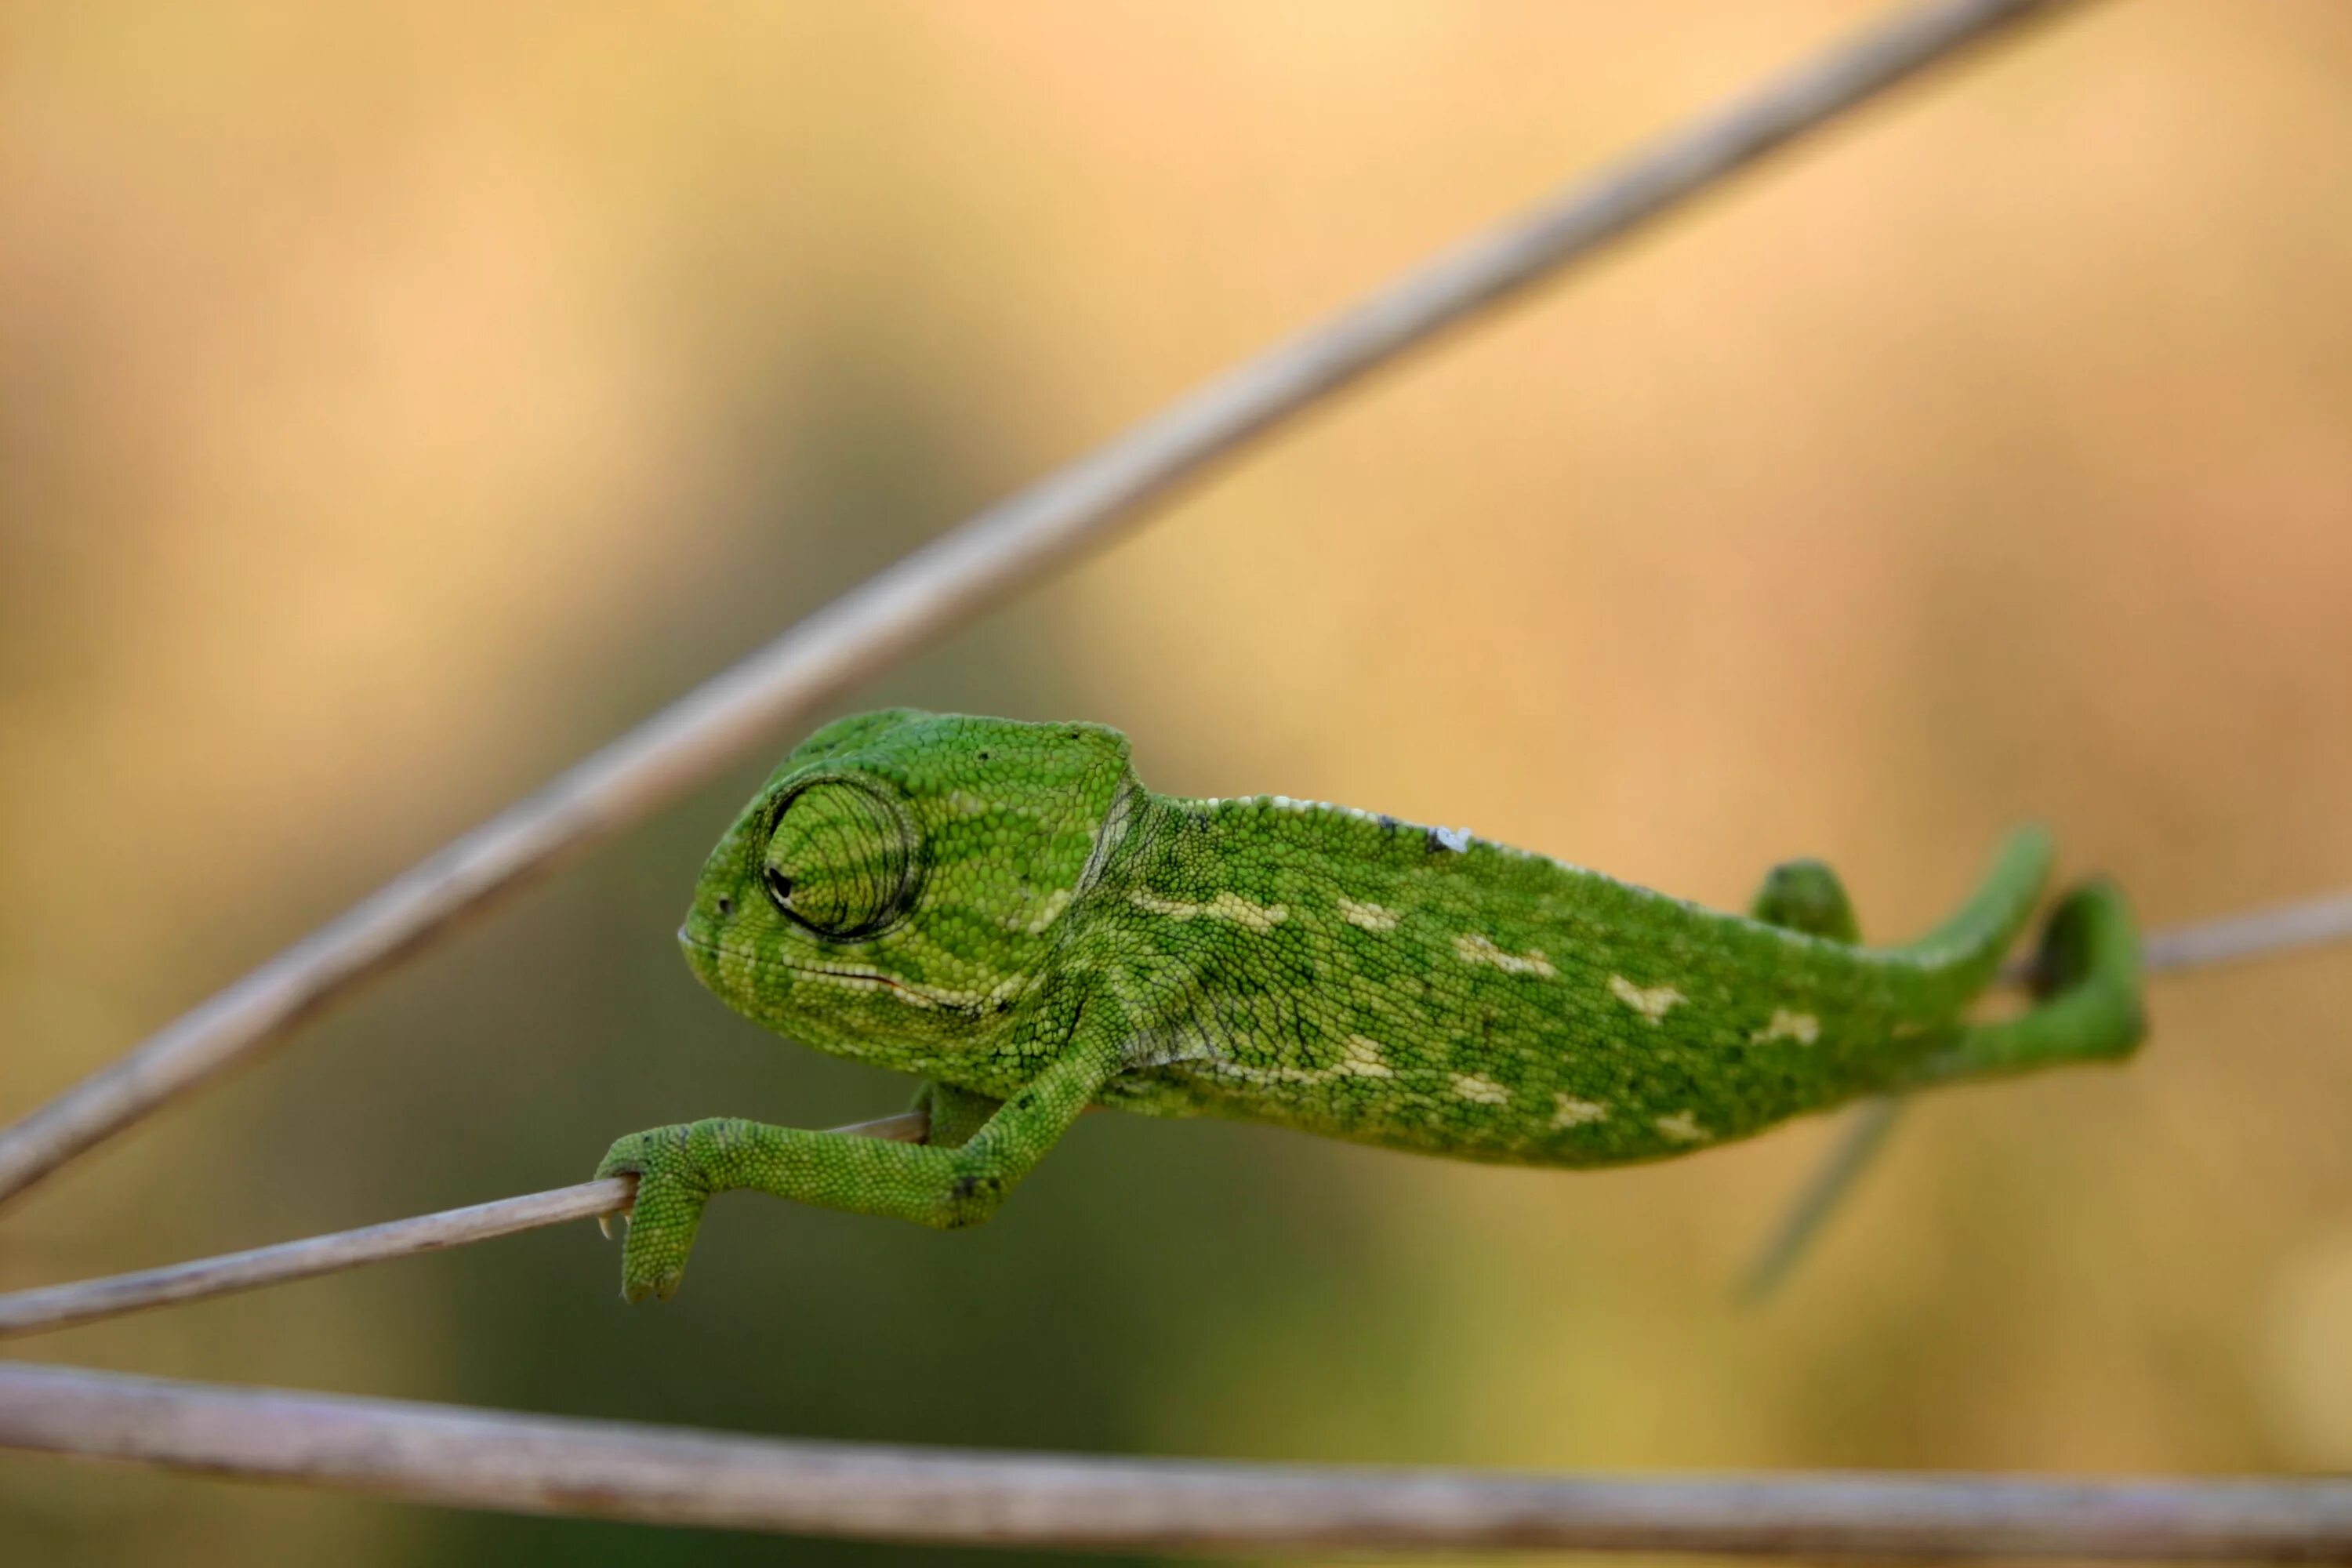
1961	957
2086	980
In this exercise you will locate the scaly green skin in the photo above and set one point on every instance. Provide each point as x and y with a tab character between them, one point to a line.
1003	908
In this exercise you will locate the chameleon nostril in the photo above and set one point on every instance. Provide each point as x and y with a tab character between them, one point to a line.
726	907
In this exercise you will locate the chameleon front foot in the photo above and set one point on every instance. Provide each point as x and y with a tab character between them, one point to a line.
671	1191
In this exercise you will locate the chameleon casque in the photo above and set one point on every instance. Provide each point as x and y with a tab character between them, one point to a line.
1003	908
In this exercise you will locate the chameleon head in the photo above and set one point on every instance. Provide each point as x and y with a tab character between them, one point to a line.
896	886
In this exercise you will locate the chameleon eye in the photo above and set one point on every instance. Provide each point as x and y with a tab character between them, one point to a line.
841	860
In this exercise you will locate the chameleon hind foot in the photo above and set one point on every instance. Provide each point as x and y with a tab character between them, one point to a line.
1806	896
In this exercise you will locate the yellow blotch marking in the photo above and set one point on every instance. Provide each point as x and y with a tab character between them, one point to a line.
846	979
1575	1112
1359	1057
1651	1003
963	803
1476	948
1370	917
1047	912
1223	907
1802	1027
1681	1127
913	993
1478	1086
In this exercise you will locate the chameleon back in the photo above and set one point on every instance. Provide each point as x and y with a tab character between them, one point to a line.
1368	979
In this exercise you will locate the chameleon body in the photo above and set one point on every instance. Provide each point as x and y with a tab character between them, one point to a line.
1004	910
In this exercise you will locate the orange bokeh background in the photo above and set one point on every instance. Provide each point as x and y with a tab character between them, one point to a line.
397	401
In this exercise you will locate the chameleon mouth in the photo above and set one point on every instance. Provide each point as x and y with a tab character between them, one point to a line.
712	952
874	980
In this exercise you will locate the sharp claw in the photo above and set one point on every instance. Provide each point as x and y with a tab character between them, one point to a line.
604	1223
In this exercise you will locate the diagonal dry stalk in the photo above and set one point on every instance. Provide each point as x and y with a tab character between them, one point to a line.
975	566
536	1464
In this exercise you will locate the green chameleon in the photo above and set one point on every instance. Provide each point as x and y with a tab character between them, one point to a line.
1003	908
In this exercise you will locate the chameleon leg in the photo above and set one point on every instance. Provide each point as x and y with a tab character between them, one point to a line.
2086	985
679	1168
1806	894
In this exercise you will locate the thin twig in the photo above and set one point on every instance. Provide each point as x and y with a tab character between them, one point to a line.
87	1300
536	1464
1859	1141
2228	938
973	568
2257	933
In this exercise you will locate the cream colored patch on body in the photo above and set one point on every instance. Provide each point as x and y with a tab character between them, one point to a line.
1359	1057
1369	917
1480	1089
1047	912
1802	1027
1575	1112
1652	1002
846	979
1223	907
1681	1127
914	992
1476	948
963	803
1362	1057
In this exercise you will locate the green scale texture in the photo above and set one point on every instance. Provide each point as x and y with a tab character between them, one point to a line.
1004	910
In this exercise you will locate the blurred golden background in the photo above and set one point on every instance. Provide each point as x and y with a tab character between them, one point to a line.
398	400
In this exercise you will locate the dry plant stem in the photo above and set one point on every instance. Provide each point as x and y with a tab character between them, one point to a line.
2231	938
62	1305
86	1301
970	569
2257	933
526	1463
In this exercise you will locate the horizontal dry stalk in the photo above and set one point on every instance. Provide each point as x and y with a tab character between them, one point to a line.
536	1464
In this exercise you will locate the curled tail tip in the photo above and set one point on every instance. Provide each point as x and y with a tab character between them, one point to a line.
2091	935
2031	842
2087	966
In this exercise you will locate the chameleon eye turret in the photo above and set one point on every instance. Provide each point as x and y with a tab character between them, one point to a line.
841	859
